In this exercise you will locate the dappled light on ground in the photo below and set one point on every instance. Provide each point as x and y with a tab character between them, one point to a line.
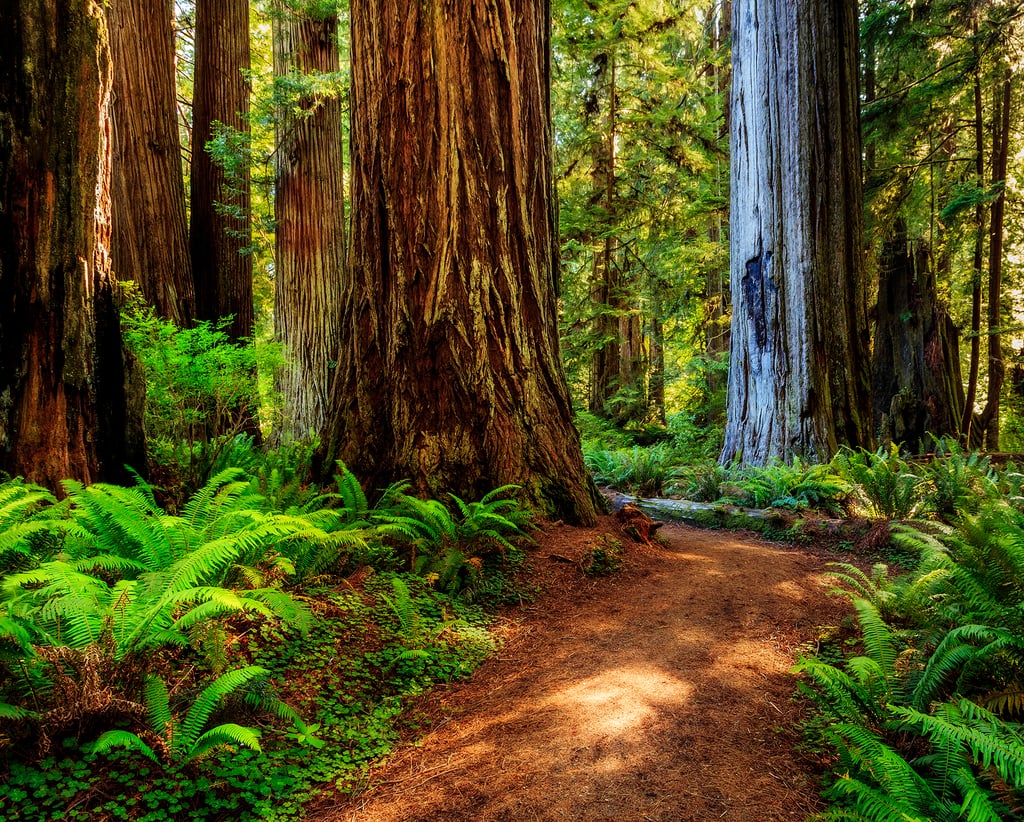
660	693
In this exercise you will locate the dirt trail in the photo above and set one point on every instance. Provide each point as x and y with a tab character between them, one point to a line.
659	693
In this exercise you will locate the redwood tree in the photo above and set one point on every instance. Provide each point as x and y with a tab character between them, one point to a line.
149	242
799	377
220	199
450	373
62	408
309	204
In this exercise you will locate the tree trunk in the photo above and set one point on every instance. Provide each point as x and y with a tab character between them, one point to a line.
220	225
718	300
970	434
799	380
916	382
450	373
605	287
149	242
62	404
309	204
1002	99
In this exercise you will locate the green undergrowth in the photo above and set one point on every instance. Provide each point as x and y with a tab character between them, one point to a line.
232	659
917	705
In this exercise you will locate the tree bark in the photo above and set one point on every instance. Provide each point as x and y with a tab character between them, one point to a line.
62	404
605	292
1002	100
916	383
971	435
450	373
309	204
799	381
149	242
220	226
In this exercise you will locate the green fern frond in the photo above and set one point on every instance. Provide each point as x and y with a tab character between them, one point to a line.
905	790
837	694
157	700
110	740
962	648
878	639
873	804
208	701
14	713
990	740
226	735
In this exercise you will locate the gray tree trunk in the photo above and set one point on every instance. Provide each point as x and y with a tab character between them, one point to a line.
799	379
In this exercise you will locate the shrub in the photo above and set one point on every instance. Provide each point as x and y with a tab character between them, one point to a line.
883	482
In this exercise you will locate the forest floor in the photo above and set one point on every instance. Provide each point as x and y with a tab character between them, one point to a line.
660	692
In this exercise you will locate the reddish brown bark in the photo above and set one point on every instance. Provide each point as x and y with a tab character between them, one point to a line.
309	203
1002	100
149	242
61	380
220	224
450	372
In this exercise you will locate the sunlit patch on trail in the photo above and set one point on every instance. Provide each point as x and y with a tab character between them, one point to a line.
620	701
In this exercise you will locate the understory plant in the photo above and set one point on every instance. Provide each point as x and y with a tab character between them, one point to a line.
924	720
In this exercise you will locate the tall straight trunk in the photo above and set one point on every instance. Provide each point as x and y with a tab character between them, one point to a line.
799	379
1002	99
970	434
149	242
220	225
605	287
656	392
62	404
450	372
717	301
309	204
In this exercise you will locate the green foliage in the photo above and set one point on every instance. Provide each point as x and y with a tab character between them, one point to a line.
883	482
645	471
958	482
793	485
449	546
200	389
703	481
603	558
185	740
925	720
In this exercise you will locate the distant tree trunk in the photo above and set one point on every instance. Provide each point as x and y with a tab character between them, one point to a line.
309	204
220	201
1002	99
149	242
656	393
799	380
916	382
718	300
605	288
450	373
972	436
62	403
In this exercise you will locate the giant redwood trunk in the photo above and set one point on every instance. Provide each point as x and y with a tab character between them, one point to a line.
450	373
61	376
149	242
799	377
916	384
220	198
309	204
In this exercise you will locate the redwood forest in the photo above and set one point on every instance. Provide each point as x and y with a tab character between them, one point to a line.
512	410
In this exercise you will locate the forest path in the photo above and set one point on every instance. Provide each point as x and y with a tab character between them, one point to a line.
658	693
